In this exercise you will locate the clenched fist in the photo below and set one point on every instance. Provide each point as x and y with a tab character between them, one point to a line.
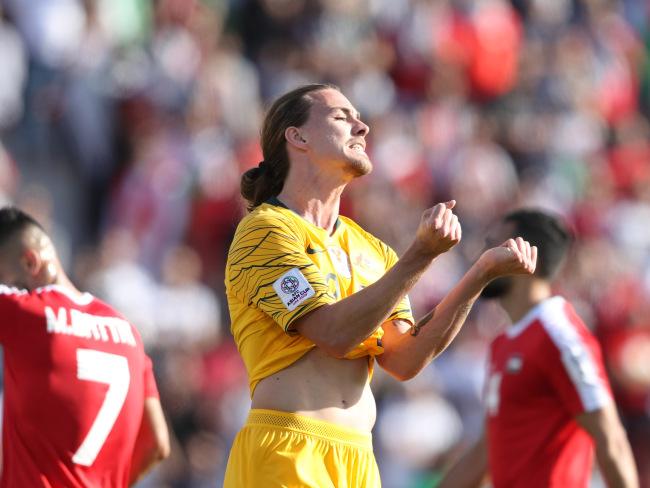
515	256
439	229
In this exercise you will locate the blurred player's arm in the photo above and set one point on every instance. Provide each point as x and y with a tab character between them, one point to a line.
613	450
470	471
407	350
152	443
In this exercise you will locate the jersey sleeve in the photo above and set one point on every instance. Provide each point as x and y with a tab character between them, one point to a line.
150	387
269	269
403	309
575	368
9	308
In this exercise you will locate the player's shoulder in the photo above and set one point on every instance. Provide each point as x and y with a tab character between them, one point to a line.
266	218
50	293
353	226
546	321
558	313
100	307
13	299
60	295
363	235
85	302
12	291
561	323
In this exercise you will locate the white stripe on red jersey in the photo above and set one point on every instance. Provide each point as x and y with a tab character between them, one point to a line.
543	372
576	356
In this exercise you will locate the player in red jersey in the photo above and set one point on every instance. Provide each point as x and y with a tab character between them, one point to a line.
548	399
81	407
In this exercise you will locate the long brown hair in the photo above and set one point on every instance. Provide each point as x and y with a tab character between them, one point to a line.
267	179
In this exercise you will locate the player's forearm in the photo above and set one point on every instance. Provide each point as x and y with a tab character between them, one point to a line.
339	327
617	463
469	471
613	450
143	462
152	444
435	331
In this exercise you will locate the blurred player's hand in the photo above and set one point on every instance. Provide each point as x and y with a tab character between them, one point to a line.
439	229
513	257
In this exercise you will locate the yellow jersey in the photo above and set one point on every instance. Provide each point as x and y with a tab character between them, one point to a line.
280	267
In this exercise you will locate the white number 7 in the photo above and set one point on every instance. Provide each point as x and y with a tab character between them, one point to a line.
112	370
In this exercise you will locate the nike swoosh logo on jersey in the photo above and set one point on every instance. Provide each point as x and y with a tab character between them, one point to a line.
311	250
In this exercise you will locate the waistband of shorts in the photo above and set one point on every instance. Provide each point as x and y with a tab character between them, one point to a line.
309	426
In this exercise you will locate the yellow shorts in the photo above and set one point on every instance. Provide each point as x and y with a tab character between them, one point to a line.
278	449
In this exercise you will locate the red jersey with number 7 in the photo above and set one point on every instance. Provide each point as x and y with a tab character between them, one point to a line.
544	371
75	380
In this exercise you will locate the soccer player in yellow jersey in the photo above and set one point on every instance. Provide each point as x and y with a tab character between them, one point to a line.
315	300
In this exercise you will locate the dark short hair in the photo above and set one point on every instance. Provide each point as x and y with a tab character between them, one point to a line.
546	231
13	221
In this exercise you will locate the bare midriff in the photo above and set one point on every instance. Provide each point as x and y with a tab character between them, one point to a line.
321	387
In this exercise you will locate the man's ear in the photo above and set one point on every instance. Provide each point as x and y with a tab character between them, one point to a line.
32	261
295	138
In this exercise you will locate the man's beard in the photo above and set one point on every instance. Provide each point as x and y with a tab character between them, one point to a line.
357	169
497	288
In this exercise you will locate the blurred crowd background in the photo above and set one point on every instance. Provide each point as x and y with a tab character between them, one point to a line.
125	126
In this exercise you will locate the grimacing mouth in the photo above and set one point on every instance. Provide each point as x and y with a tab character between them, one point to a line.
358	146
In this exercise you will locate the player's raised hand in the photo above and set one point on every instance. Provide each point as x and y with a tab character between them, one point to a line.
513	257
439	229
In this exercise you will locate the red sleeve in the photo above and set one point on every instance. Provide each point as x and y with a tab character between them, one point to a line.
150	387
9	307
575	368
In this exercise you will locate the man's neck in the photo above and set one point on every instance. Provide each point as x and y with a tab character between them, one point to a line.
315	198
63	281
525	294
